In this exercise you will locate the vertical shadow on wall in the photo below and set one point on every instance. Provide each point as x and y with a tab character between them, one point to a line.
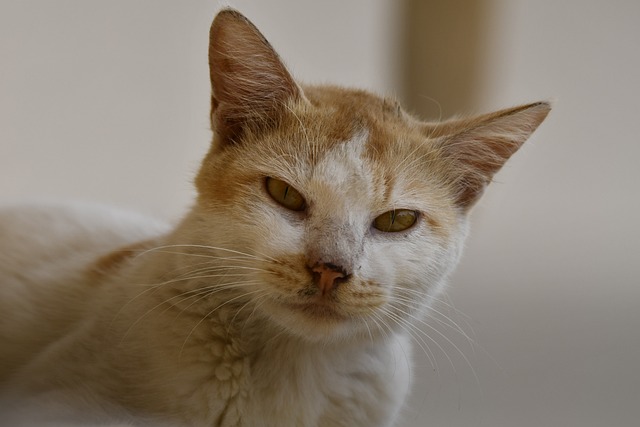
442	47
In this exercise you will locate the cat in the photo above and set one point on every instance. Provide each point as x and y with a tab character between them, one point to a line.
326	221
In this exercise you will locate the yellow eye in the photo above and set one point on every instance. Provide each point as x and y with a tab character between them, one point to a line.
285	194
395	220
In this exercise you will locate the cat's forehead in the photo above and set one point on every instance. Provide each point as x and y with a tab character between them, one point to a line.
352	143
354	106
330	117
357	124
343	172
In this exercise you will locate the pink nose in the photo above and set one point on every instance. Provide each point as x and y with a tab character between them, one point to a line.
327	276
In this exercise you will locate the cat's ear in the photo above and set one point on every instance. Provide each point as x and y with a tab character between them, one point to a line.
477	148
250	84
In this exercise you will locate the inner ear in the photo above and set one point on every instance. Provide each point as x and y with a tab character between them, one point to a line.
477	148
250	84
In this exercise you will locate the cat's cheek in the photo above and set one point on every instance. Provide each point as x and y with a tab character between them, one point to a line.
277	235
413	262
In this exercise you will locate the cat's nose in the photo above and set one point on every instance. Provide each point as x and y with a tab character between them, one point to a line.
327	276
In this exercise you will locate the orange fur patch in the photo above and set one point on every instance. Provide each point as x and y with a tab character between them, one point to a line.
109	263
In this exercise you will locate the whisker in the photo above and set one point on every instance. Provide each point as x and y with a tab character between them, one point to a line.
416	333
218	268
210	313
449	341
466	319
421	295
368	329
264	293
212	248
448	322
196	292
208	291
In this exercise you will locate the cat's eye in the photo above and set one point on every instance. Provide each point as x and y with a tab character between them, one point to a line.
395	220
285	194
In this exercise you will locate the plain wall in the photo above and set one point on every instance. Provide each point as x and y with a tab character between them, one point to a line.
108	101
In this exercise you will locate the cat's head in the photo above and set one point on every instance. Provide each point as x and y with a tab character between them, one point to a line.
338	213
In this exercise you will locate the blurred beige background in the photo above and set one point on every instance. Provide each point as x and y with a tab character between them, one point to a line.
108	101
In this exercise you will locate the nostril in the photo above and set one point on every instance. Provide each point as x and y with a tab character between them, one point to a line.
327	276
330	267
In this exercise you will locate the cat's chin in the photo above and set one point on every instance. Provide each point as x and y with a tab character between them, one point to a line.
318	311
314	320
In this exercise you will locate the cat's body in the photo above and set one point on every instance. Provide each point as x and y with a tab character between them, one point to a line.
91	342
327	219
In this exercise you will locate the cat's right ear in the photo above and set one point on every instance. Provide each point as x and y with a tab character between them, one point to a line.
250	84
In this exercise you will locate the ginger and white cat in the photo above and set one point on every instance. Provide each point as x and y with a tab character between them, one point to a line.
326	221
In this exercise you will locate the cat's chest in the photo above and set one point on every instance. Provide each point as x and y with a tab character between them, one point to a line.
290	383
213	377
262	387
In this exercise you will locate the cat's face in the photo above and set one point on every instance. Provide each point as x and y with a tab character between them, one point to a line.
343	214
350	159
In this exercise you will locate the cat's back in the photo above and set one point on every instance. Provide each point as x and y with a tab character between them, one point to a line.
46	252
42	242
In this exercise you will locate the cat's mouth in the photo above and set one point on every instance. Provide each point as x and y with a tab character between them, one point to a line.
319	309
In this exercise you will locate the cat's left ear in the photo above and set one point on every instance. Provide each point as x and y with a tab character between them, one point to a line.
250	84
477	148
